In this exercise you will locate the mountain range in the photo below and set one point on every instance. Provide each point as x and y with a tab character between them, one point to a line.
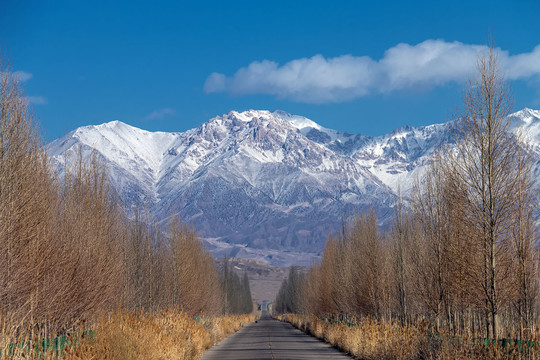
265	185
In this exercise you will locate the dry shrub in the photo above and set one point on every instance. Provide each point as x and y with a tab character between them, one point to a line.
222	326
372	339
369	339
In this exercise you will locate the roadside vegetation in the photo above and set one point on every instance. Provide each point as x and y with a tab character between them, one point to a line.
457	275
76	270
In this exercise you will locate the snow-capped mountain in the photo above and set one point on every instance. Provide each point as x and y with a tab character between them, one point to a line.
260	184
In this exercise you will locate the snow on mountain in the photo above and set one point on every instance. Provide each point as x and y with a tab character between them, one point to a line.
260	184
526	122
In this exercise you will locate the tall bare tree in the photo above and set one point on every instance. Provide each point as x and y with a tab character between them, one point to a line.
485	162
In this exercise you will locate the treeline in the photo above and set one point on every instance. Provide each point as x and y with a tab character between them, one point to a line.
289	299
236	292
463	255
168	271
67	247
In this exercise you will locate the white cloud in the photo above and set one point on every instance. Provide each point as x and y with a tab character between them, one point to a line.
23	76
524	65
37	100
321	80
160	114
215	82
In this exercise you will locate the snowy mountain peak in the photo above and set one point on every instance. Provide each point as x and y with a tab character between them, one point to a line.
249	115
525	117
298	122
116	127
113	123
527	112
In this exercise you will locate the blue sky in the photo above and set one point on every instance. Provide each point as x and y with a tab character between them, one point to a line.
356	66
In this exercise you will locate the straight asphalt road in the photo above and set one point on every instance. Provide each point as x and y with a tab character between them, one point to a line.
271	339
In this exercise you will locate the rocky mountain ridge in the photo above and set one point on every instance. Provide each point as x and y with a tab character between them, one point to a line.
260	184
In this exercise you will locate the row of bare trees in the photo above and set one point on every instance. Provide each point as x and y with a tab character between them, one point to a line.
290	297
67	248
477	207
167	271
356	276
58	254
464	254
236	293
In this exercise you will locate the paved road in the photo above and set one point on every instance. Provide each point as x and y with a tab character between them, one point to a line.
271	339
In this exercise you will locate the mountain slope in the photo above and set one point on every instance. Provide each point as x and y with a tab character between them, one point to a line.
266	185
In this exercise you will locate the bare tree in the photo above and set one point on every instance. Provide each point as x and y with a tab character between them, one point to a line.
485	163
400	234
524	236
431	205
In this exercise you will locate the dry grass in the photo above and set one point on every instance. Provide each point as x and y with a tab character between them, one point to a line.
368	340
371	339
168	334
